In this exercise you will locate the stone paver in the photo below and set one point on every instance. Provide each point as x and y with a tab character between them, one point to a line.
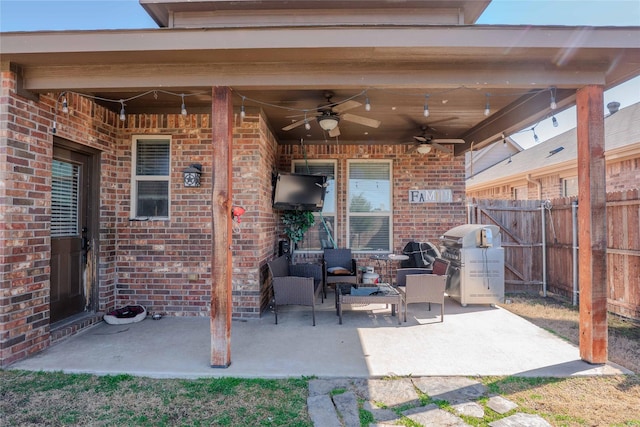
327	409
469	409
521	420
392	393
451	389
322	412
347	406
431	415
501	405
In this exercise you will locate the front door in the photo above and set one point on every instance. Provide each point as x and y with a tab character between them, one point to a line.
69	233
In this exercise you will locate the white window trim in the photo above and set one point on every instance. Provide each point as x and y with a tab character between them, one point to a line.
348	212
336	224
135	179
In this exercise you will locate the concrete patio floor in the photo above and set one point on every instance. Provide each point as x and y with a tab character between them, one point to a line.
472	340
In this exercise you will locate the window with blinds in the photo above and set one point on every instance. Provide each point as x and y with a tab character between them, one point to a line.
65	199
322	234
369	205
150	178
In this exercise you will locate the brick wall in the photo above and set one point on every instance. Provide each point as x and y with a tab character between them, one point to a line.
254	158
418	222
166	265
25	175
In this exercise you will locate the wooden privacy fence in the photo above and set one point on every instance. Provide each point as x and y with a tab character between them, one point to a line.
522	222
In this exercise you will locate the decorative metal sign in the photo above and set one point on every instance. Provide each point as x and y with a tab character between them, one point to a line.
430	196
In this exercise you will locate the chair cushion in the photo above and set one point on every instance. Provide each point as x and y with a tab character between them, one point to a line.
339	271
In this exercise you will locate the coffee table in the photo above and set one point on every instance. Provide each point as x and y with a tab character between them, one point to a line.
387	295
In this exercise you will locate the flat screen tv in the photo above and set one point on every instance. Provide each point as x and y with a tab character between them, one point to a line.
292	191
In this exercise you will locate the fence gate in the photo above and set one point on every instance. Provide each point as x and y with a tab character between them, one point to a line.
521	226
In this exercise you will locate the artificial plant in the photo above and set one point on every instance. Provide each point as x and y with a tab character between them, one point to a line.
296	223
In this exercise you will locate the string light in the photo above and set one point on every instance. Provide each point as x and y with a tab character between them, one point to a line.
535	135
554	121
487	107
183	108
123	114
307	125
426	112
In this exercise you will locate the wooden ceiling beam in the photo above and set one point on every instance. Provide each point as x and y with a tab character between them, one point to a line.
521	113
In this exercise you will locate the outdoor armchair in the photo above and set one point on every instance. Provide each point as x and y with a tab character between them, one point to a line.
295	284
427	288
339	266
401	274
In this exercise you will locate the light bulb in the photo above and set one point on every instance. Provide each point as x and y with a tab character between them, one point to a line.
54	128
367	105
307	125
123	113
242	112
487	109
425	112
65	106
183	108
553	104
554	121
535	136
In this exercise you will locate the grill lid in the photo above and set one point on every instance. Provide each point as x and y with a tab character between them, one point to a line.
466	236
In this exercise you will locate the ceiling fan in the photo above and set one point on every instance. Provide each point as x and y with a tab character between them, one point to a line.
425	141
330	114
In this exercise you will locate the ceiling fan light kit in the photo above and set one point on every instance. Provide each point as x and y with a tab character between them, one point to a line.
328	122
424	149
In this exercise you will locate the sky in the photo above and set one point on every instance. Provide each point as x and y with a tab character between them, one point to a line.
34	15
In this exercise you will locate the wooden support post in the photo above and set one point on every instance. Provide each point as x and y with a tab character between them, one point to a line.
222	137
592	221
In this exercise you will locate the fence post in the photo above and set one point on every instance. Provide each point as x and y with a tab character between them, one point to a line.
544	250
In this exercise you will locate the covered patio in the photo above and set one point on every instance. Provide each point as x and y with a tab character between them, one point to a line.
472	340
231	86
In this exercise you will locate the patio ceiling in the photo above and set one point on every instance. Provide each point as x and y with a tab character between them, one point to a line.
286	71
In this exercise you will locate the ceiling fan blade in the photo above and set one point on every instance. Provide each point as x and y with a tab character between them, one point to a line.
365	121
420	138
441	147
448	141
295	124
334	132
347	105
